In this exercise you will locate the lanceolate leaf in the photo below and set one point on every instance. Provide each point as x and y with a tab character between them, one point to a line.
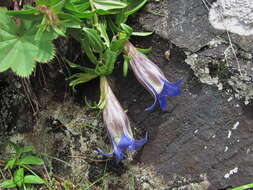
135	5
142	33
32	179
117	45
145	51
82	68
19	177
80	10
108	4
23	12
109	59
79	78
93	39
19	50
8	184
127	29
30	160
58	6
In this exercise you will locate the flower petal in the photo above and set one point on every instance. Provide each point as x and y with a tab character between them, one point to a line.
152	90
171	88
152	106
124	142
138	143
163	100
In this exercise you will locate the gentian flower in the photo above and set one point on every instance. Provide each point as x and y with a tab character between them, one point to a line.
117	124
151	77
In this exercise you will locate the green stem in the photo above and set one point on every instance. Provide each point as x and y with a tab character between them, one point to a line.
244	187
30	170
98	26
95	18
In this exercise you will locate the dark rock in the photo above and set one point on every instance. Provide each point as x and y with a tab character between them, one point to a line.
188	25
183	22
244	42
197	137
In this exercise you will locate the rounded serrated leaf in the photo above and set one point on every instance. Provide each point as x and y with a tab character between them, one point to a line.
19	50
46	52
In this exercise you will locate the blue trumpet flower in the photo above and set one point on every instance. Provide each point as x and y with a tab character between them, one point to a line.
151	77
117	124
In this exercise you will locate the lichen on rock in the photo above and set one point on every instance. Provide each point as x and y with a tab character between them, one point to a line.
221	64
233	15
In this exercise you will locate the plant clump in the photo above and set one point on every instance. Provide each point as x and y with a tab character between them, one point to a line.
27	35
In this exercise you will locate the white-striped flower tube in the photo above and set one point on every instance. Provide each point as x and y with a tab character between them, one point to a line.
151	77
117	124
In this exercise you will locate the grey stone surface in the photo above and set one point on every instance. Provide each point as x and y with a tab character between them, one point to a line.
224	67
188	27
204	141
244	42
232	15
205	138
155	22
186	24
186	21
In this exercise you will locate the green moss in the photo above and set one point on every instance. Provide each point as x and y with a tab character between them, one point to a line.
223	71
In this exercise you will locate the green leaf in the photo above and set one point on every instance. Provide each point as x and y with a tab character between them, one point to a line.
29	11
46	49
137	5
32	179
28	187
9	183
59	30
109	59
30	160
144	51
19	177
101	27
108	4
80	10
69	17
81	78
58	6
83	6
93	40
48	3
70	6
142	33
24	150
120	18
118	45
85	14
127	29
18	49
243	187
88	52
133	7
80	67
10	163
